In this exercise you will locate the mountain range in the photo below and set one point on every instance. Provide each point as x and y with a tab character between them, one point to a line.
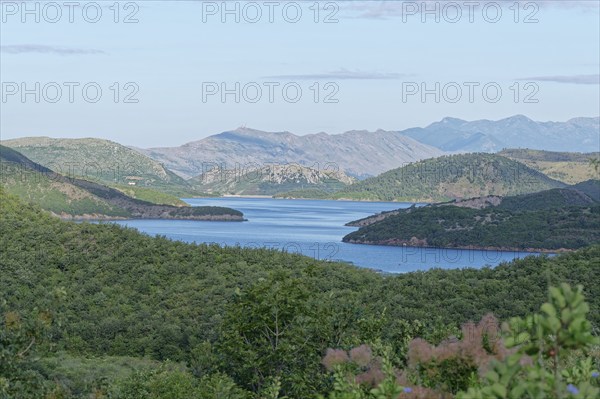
357	153
457	135
185	171
361	153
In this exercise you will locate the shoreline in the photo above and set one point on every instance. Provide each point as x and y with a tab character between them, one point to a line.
241	196
305	199
106	218
469	247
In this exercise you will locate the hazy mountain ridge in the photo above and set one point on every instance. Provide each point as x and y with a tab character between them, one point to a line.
456	135
357	153
361	153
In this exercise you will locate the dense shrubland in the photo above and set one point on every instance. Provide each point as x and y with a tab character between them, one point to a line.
555	219
450	177
494	227
103	311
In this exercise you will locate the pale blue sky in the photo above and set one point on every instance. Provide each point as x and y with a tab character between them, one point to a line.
370	54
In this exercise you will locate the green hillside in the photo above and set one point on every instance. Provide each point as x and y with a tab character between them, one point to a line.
573	196
568	167
555	219
590	187
78	198
233	323
450	177
105	162
39	185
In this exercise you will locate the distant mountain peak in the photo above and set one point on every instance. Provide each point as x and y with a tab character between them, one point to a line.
518	118
452	120
447	122
244	130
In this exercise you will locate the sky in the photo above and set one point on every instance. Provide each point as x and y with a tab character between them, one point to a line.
163	73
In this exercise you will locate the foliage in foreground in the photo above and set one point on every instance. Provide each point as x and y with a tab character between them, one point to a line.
230	322
545	355
533	358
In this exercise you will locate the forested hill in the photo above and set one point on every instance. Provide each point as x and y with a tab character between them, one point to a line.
556	219
590	187
580	195
101	290
451	177
583	194
82	199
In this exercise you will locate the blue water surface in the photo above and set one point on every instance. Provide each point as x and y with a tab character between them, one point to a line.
315	228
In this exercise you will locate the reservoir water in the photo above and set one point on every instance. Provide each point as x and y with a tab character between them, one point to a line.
314	228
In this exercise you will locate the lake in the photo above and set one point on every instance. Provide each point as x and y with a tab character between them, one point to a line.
314	228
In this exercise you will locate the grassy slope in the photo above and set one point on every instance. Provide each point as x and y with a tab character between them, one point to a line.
105	162
81	198
150	195
41	187
568	167
450	177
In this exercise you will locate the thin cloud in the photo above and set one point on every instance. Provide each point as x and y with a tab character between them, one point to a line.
574	79
43	49
343	74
